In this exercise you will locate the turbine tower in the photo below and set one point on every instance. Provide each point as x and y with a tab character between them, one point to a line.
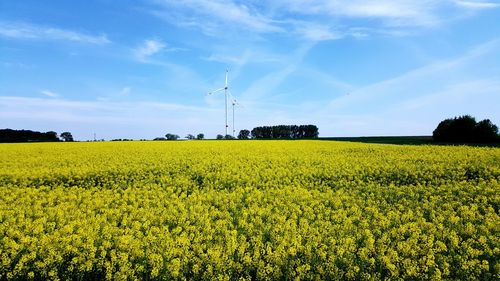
226	91
234	103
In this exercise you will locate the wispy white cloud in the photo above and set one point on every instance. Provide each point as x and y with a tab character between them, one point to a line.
406	13
270	81
393	12
230	59
151	47
125	91
22	30
332	83
218	13
148	48
252	54
320	20
317	32
477	4
9	64
49	93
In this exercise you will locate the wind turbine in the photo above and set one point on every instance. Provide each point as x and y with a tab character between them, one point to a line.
234	103
226	90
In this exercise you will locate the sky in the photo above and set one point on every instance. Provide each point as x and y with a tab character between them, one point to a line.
141	69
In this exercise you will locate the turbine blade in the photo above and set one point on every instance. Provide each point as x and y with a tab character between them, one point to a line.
238	103
216	91
234	101
226	76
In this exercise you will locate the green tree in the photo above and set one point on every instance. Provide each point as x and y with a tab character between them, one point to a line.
465	129
67	136
172	136
485	131
51	135
200	136
244	134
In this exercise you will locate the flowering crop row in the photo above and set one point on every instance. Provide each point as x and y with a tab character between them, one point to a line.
248	210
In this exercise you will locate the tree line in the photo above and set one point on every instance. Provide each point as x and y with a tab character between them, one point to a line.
10	135
465	129
262	132
285	132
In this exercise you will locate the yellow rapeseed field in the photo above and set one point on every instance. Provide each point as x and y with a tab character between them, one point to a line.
248	210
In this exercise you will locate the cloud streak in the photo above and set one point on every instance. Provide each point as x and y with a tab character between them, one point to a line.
49	94
423	13
219	13
148	49
394	13
125	91
322	20
317	32
28	31
151	47
479	5
269	82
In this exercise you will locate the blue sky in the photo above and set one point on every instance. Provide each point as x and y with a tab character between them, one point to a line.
141	69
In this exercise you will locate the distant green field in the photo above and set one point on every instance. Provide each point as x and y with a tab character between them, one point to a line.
404	140
410	140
